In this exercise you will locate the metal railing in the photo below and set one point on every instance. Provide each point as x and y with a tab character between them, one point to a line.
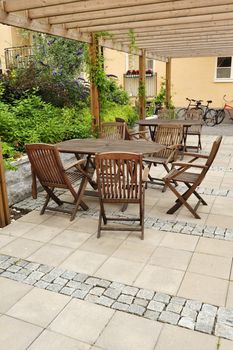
18	57
131	84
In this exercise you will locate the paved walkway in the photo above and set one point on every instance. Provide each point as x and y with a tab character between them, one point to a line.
61	288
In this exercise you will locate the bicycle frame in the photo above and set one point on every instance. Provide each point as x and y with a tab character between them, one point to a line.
228	108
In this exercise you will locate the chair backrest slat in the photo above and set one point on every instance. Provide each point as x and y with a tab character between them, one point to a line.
113	131
194	114
119	175
46	164
214	151
168	135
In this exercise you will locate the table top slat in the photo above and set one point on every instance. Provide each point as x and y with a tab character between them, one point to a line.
92	146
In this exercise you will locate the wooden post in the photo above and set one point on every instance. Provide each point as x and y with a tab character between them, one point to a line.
168	83
94	93
142	84
4	208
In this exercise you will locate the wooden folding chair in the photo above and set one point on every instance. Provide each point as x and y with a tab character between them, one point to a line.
113	131
120	181
131	134
48	168
194	130
180	173
169	135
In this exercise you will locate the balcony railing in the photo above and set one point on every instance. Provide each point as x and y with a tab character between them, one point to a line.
18	57
131	84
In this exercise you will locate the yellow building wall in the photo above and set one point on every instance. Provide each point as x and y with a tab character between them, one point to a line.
5	41
115	63
195	78
10	37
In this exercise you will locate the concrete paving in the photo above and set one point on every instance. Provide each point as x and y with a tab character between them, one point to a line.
174	290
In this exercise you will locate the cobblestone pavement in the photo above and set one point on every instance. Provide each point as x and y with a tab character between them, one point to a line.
153	305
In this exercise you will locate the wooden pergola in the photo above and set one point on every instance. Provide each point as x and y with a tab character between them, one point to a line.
163	29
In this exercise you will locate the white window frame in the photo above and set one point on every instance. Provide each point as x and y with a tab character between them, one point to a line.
223	80
127	63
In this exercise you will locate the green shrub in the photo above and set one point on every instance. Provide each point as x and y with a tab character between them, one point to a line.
9	154
31	120
113	110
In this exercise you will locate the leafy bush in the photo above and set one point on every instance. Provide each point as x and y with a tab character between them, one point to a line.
9	154
32	120
52	89
113	110
115	93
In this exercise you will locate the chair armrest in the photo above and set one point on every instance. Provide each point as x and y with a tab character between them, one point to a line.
138	132
196	155
75	164
189	165
174	146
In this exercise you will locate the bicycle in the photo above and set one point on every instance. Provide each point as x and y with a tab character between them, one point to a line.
221	113
182	112
208	114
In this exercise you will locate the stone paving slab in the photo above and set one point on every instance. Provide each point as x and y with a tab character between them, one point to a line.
162	307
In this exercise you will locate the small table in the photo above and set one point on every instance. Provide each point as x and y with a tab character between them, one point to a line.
90	147
153	123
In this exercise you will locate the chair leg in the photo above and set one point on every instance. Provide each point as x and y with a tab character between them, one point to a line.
79	196
199	141
142	213
50	194
45	204
182	200
103	213
99	225
197	195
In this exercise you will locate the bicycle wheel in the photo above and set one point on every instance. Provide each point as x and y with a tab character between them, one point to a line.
220	116
181	114
210	117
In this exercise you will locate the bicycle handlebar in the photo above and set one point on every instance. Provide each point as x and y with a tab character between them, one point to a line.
227	100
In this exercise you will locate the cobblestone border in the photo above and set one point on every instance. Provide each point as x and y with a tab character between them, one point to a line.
157	306
32	204
172	226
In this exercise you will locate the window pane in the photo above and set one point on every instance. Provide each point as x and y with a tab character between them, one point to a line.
224	61
149	64
224	73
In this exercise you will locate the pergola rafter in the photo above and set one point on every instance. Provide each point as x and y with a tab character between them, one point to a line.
163	29
153	21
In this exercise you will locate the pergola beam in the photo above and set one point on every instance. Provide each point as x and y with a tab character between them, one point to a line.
48	8
127	15
38	26
152	11
128	22
142	81
55	7
186	27
171	36
206	41
164	27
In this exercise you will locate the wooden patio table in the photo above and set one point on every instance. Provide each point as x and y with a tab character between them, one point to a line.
90	147
153	123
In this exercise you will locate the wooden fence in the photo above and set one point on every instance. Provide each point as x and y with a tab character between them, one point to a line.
4	208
